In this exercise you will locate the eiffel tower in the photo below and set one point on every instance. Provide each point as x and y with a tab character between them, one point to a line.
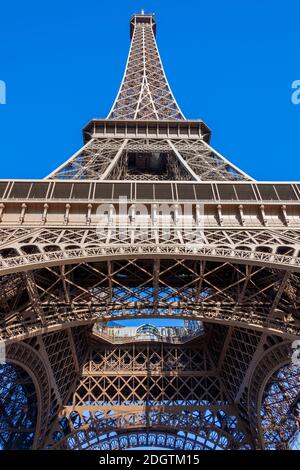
147	221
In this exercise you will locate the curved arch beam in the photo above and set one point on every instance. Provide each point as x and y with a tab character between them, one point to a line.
273	360
104	253
27	358
288	394
57	318
161	439
210	432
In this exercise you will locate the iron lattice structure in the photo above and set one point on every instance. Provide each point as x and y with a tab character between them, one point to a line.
67	269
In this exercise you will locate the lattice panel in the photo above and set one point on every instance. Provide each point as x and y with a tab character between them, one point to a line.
216	237
91	161
144	93
280	410
207	429
217	338
25	395
107	158
273	399
81	342
148	358
207	163
155	382
239	354
129	390
200	290
19	405
60	357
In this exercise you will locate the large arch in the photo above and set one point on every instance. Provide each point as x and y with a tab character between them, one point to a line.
273	398
208	429
280	408
19	407
24	398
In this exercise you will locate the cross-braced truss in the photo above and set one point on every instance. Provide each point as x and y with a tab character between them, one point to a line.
148	160
218	292
66	271
144	92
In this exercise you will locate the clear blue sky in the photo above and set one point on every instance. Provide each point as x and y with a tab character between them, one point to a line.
229	62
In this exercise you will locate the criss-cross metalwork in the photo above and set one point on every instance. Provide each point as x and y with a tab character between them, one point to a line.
102	240
144	91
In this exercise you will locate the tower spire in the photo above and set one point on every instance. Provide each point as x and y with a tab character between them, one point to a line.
144	92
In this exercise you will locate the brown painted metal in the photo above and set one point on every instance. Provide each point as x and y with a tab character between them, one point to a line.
64	271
